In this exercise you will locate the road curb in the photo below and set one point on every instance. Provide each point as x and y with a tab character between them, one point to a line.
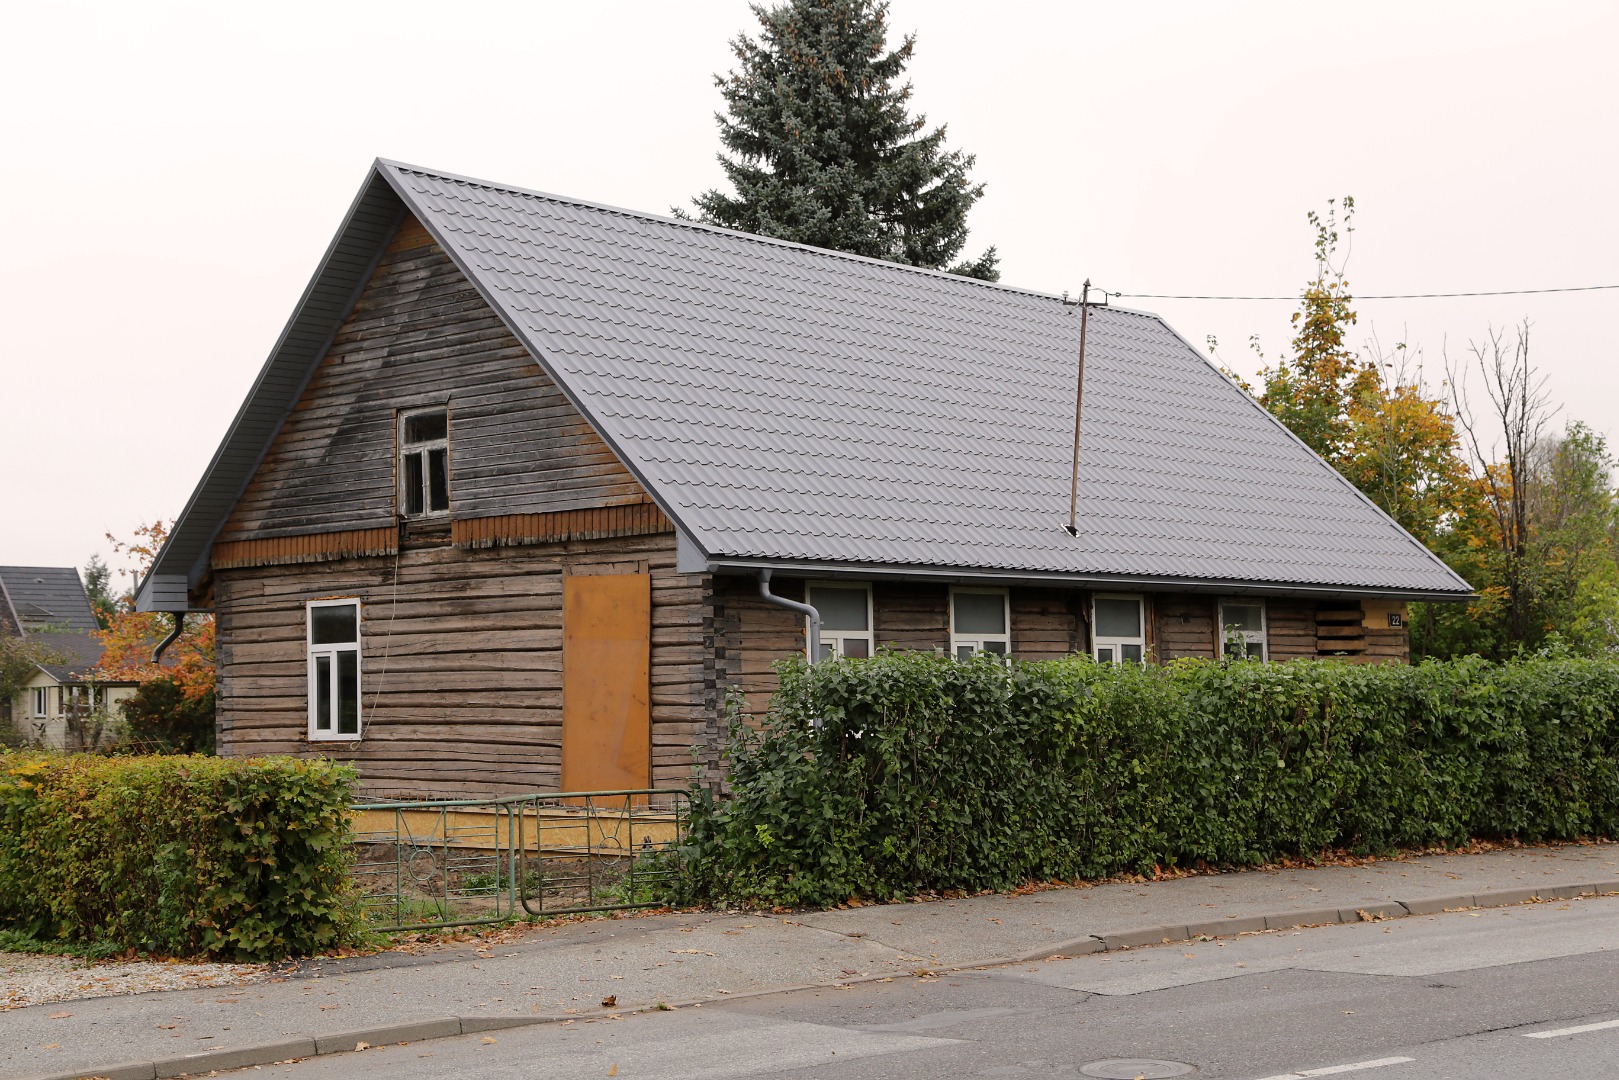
450	1026
1292	920
302	1046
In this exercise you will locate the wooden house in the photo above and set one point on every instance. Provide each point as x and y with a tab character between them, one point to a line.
63	704
528	483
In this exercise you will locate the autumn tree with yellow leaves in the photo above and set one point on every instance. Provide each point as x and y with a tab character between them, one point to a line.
1529	516
174	706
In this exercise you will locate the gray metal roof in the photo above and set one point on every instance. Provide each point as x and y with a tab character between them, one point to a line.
802	407
48	596
75	652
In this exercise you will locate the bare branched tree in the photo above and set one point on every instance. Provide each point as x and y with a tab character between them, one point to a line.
1519	410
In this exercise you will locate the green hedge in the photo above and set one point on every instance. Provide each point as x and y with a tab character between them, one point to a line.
245	859
933	774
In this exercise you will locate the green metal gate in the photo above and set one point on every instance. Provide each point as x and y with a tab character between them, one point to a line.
461	862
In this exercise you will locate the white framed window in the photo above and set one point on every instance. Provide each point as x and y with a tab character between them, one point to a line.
424	462
1242	629
334	669
1118	629
42	701
845	619
980	622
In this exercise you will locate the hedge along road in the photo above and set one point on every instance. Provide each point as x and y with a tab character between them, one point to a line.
1499	993
909	772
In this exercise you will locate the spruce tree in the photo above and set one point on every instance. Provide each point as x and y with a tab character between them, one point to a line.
823	149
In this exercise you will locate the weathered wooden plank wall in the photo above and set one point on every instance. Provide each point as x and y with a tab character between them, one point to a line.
462	663
462	641
1290	626
1186	627
421	335
749	636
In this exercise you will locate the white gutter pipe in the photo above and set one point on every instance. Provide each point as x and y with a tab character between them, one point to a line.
793	605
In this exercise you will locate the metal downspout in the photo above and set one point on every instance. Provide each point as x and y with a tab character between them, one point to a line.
179	628
809	612
793	605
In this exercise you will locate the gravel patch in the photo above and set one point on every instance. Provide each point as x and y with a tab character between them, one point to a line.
28	979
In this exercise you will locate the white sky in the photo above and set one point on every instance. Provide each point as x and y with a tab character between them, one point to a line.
170	173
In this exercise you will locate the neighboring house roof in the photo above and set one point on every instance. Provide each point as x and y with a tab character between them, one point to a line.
76	653
47	596
50	606
790	406
9	623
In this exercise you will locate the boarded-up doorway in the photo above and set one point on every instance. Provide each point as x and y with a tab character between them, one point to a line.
606	682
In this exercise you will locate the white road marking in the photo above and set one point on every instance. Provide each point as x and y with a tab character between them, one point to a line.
1569	1030
1333	1070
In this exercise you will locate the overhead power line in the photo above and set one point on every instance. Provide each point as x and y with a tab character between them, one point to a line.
1376	296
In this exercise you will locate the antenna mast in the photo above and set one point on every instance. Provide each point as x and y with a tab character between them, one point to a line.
1079	402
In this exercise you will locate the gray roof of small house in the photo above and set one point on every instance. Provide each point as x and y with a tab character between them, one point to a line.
74	654
797	407
47	596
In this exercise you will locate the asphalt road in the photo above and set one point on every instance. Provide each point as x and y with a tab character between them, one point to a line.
1518	992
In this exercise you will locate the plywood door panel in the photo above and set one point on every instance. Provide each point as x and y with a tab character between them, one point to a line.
606	682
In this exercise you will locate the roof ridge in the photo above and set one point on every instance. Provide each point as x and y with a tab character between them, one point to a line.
758	238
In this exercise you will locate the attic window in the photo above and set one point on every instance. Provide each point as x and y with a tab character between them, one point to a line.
424	462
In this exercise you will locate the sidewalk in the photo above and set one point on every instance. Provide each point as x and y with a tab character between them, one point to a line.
567	971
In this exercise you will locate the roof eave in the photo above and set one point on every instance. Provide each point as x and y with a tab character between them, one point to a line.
326	301
1048	578
1305	447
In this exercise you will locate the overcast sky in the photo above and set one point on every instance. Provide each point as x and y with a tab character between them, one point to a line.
170	174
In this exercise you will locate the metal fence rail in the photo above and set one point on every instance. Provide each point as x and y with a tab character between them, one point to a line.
460	862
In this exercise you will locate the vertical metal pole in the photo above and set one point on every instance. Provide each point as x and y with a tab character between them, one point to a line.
1079	402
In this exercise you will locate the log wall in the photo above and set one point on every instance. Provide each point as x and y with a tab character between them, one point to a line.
750	635
420	335
1188	627
461	674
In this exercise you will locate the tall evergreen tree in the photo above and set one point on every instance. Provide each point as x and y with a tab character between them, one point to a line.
98	587
823	149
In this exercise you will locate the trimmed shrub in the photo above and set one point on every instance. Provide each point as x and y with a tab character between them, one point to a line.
159	713
932	774
243	859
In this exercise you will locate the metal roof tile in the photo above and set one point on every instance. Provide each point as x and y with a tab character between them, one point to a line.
796	404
